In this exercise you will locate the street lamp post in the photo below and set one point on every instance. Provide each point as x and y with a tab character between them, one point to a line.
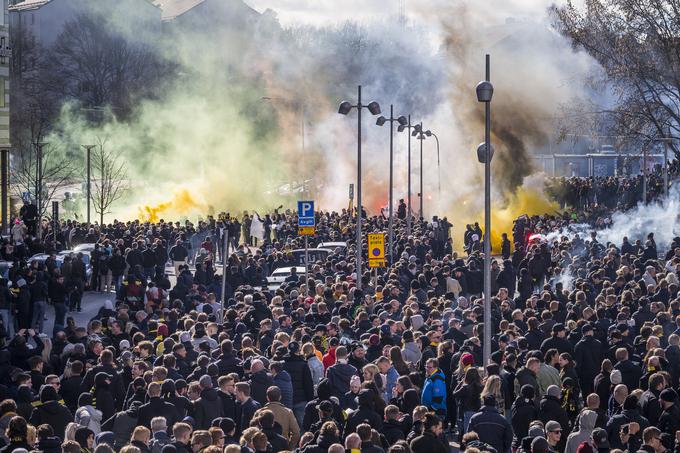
484	91
408	126
380	122
39	184
88	148
344	109
439	173
420	134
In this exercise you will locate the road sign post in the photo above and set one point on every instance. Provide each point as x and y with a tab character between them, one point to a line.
306	228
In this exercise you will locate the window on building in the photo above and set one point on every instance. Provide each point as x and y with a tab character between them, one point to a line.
2	92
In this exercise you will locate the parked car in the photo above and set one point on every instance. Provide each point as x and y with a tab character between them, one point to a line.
280	275
342	246
313	256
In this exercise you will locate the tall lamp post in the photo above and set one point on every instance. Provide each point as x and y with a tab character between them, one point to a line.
89	148
39	183
420	135
380	122
484	91
408	126
439	172
344	109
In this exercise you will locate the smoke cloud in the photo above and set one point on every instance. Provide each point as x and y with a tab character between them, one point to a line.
210	142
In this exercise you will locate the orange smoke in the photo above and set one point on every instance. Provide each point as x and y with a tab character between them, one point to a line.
182	204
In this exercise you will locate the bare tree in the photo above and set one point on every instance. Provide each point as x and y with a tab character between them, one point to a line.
93	64
110	181
637	46
56	172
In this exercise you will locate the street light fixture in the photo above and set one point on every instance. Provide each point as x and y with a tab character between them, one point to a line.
484	91
439	172
88	148
402	127
344	109
420	134
381	122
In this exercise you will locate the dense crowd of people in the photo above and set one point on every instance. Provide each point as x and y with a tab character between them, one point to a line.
610	192
585	340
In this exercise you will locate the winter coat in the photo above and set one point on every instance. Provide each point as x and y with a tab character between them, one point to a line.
434	392
411	352
586	425
523	412
364	413
588	355
122	424
551	409
492	428
90	417
616	422
286	420
207	408
547	376
316	369
630	373
54	414
428	443
301	377
393	431
525	376
283	382
155	407
259	383
339	376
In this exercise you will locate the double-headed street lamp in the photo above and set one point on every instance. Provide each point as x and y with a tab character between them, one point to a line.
484	91
88	149
345	108
420	135
439	173
402	122
408	126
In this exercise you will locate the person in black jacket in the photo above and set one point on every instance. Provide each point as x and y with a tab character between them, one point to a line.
524	411
588	355
246	407
429	441
300	374
551	409
228	362
103	397
51	412
209	406
630	372
557	341
392	428
259	381
155	407
106	366
364	414
277	441
491	427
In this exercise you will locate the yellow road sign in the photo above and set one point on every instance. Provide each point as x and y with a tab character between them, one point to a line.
306	231
376	250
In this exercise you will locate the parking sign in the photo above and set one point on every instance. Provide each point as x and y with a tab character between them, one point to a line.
306	220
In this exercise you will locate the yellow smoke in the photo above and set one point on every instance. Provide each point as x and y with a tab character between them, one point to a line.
530	199
182	204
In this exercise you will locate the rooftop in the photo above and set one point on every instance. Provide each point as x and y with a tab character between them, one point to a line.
28	5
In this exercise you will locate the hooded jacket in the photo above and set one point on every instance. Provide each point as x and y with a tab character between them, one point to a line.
411	352
207	408
122	424
586	425
155	407
259	383
301	376
51	412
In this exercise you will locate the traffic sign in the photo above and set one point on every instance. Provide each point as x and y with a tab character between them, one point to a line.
306	231
376	250
306	214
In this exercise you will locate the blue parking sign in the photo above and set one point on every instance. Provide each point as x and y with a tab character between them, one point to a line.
306	214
